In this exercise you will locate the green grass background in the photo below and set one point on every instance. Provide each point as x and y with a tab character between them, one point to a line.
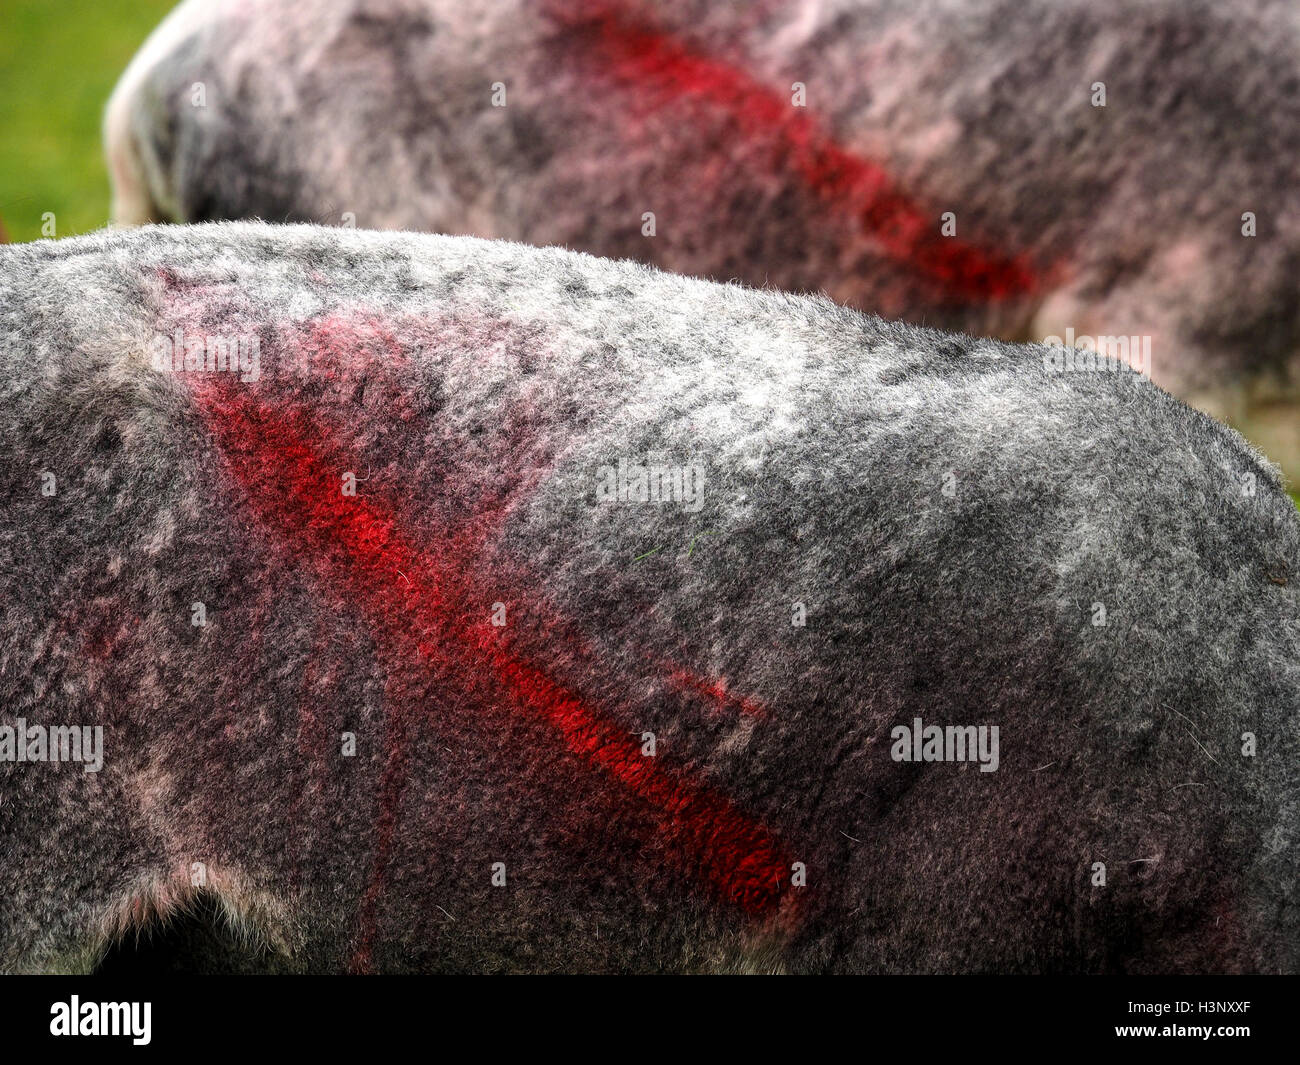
59	60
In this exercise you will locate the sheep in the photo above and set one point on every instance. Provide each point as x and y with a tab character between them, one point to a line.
1119	174
963	662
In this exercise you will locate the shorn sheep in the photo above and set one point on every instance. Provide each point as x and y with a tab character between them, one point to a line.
429	603
1119	175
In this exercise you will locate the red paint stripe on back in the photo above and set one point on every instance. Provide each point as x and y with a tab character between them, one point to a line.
662	70
410	594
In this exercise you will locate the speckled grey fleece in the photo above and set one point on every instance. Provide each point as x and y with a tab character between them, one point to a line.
1131	214
1102	573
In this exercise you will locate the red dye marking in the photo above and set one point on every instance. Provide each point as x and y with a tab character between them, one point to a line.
663	70
410	594
715	690
711	838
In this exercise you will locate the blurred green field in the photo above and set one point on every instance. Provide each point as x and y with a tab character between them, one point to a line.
59	60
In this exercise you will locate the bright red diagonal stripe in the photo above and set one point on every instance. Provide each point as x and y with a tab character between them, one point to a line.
410	596
661	69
